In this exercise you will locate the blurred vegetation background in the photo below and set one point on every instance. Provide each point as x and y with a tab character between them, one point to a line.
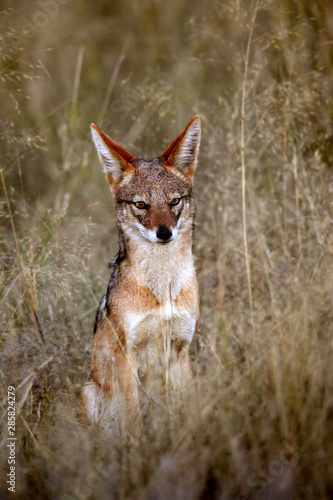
260	422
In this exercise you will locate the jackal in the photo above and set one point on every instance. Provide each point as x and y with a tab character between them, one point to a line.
146	320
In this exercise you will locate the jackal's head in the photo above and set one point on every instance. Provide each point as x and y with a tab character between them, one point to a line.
154	198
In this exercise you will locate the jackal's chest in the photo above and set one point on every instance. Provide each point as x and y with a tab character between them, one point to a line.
167	323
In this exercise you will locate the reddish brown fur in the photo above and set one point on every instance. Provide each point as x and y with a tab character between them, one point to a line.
160	216
120	151
169	151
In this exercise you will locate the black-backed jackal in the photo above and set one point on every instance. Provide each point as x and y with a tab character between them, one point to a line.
146	320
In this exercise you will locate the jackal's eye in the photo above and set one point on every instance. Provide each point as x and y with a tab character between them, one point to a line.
175	201
140	204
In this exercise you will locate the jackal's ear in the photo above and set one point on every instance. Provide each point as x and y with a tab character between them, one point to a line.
116	160
183	151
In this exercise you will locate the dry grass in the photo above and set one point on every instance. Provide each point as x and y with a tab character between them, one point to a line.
259	420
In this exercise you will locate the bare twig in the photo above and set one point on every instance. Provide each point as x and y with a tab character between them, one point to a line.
28	379
299	235
242	139
34	372
113	80
76	83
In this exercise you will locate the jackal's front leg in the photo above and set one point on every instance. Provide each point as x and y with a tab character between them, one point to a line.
100	398
128	383
180	368
100	402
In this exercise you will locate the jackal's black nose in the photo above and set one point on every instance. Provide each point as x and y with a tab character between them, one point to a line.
163	233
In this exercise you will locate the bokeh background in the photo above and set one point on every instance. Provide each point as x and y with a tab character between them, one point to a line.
259	423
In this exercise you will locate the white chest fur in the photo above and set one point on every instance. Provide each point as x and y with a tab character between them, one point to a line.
176	324
161	334
164	269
